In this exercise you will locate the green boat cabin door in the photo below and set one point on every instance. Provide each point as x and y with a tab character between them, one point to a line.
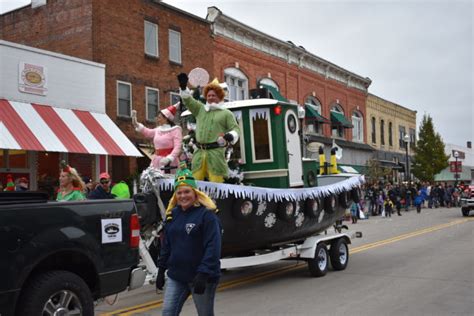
295	167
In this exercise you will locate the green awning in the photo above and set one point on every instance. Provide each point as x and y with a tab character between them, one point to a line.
339	119
312	114
274	93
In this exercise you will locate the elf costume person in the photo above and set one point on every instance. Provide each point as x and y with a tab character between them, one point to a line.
71	186
215	128
10	184
167	137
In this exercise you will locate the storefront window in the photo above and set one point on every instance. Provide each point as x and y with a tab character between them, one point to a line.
17	159
48	173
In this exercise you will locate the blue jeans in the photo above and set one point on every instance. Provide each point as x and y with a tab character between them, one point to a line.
177	292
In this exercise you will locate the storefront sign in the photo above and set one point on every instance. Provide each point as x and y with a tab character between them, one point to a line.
32	79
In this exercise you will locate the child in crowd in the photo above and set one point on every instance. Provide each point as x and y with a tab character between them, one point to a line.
388	204
354	212
418	201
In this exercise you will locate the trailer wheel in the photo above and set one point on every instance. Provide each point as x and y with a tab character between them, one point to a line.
318	266
339	254
57	293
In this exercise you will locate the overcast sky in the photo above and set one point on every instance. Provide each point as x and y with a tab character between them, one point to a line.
419	54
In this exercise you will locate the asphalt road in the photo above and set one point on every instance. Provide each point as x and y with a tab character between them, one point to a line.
415	264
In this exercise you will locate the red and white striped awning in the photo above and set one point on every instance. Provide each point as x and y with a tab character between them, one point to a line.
28	126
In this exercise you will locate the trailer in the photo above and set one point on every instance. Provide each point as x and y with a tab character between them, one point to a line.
316	250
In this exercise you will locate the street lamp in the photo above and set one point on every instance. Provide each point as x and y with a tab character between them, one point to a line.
456	155
406	139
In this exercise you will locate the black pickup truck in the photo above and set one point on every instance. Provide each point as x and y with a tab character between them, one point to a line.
57	258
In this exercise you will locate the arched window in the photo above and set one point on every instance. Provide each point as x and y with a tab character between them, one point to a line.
358	131
314	124
237	83
337	121
372	129
269	82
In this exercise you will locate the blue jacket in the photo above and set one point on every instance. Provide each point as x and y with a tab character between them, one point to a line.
191	244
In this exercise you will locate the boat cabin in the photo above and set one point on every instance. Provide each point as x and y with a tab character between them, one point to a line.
270	145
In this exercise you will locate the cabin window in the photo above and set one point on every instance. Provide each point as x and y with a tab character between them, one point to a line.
261	135
239	147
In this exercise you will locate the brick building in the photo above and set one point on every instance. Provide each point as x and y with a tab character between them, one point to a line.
143	44
334	98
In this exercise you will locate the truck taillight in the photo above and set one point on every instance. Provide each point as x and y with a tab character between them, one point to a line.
134	231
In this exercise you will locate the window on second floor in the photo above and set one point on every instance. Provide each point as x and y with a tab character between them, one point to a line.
174	97
152	101
313	126
382	132
412	137
124	98
151	39
372	130
237	83
337	130
175	46
358	131
401	135
390	134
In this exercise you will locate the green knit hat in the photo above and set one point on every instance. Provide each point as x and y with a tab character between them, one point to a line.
184	177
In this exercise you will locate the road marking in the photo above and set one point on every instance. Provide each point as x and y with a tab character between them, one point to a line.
263	275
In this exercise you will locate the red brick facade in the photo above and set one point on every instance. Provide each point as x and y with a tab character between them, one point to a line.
295	83
112	33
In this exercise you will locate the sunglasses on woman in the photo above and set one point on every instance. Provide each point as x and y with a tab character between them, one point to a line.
104	181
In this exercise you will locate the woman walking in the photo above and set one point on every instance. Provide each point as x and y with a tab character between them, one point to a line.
191	249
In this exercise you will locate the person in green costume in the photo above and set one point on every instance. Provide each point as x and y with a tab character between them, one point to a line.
216	127
71	186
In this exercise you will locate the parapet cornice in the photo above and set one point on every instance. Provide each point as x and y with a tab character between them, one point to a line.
223	25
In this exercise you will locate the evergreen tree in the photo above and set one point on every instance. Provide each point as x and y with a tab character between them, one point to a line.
429	158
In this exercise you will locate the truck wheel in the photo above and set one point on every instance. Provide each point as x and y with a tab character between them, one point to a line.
318	266
465	211
339	254
57	293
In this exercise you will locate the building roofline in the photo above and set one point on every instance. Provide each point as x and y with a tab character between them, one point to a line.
214	13
49	53
404	107
175	9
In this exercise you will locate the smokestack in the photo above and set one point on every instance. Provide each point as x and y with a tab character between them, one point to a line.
469	144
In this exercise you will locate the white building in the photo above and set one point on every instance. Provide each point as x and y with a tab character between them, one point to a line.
52	108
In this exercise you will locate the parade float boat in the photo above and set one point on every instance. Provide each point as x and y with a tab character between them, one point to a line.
282	197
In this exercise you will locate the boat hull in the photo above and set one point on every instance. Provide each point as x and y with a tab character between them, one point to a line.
254	221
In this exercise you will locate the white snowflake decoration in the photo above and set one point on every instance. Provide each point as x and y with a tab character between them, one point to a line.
299	219
261	208
270	220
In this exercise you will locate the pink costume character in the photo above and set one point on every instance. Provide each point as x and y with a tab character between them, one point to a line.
167	138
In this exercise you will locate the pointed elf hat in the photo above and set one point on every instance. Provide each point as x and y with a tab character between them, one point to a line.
184	177
170	111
